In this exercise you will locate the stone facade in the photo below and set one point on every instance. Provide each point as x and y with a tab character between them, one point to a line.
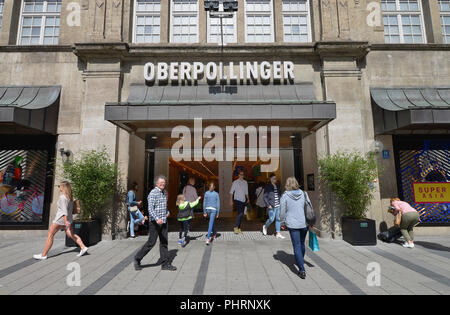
96	62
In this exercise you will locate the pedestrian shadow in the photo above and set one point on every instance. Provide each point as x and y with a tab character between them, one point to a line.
75	250
193	238
172	255
289	260
433	246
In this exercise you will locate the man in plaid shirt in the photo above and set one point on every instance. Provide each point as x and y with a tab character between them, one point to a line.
158	213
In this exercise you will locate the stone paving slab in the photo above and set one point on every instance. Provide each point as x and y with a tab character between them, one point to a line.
248	264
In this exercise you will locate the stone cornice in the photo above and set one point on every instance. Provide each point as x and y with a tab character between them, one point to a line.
356	50
411	47
33	49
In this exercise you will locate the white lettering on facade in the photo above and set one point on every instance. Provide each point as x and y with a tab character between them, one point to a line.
184	71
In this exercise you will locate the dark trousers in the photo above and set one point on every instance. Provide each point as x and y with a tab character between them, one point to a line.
298	237
184	227
240	208
155	230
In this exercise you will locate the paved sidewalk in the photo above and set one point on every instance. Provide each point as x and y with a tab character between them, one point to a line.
237	265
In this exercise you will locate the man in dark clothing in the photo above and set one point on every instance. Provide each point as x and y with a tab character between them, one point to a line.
158	213
272	196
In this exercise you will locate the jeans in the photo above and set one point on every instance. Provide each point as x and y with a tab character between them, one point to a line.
184	227
240	208
155	230
298	237
135	218
274	215
212	223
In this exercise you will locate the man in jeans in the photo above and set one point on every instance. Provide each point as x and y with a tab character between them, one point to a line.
272	196
239	194
158	213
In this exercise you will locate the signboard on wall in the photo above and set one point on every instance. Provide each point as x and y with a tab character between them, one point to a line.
431	192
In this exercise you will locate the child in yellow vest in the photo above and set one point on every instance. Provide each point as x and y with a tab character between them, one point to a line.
185	214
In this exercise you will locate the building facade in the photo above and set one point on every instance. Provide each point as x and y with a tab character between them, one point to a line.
344	75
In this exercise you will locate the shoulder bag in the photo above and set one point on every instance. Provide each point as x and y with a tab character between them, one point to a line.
310	215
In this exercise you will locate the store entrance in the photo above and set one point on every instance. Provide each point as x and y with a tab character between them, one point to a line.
222	173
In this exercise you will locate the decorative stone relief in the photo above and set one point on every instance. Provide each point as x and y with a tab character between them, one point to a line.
99	17
344	18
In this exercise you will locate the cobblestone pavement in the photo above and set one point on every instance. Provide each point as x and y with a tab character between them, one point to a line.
237	265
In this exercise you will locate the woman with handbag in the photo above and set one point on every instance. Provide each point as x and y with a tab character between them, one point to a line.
136	216
292	213
406	218
63	220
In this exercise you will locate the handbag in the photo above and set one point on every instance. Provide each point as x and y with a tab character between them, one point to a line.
310	215
313	241
398	219
76	207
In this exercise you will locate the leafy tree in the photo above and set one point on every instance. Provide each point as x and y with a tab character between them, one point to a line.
349	176
94	181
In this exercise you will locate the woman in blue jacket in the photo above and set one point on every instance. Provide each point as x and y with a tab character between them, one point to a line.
136	217
293	214
211	208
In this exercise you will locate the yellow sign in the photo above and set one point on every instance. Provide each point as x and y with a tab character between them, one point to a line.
431	192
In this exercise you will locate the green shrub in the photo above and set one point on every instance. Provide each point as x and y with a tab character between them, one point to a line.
349	176
94	181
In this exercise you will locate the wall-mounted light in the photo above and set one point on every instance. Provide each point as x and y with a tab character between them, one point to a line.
230	6
211	6
65	153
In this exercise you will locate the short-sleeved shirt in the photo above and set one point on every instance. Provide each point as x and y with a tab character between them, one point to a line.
402	206
65	208
240	189
190	193
260	197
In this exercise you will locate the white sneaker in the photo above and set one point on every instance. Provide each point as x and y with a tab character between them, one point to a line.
264	230
40	257
280	236
411	245
406	245
83	252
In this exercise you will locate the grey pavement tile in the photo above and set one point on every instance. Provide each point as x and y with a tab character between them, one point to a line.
423	257
56	274
397	273
235	264
101	267
440	276
57	280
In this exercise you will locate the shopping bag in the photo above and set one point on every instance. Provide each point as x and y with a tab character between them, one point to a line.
313	242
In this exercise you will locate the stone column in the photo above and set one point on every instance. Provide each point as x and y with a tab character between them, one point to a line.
351	130
102	79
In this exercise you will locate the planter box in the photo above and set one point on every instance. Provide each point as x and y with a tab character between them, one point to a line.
89	232
359	232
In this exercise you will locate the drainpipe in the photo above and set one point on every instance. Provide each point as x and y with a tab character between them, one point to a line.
330	200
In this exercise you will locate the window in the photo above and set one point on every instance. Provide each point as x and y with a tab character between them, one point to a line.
229	29
259	21
40	22
296	21
147	23
1	12
444	8
403	21
184	25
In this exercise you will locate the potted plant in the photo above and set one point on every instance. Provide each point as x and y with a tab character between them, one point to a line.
94	182
350	176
